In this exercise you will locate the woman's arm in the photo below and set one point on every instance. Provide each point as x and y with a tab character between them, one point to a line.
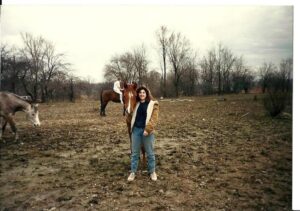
153	120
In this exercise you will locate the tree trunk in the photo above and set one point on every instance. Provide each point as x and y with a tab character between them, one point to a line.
219	82
71	96
165	77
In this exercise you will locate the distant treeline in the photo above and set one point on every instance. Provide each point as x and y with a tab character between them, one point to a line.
39	71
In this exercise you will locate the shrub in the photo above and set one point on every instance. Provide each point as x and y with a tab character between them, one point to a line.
275	102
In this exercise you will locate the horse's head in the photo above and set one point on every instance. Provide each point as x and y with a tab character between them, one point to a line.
129	95
33	115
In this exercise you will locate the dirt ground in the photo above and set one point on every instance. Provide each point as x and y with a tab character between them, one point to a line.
211	155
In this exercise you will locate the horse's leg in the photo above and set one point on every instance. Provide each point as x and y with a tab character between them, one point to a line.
13	126
1	131
104	109
128	122
101	109
103	106
4	126
101	102
129	133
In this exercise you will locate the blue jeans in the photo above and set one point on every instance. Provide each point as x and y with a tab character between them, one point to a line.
148	141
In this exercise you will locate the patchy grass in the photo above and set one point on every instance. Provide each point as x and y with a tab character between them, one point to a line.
211	155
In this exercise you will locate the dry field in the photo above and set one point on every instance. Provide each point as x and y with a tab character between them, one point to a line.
211	155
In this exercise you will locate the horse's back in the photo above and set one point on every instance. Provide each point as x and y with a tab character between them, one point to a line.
9	102
109	95
5	102
5	98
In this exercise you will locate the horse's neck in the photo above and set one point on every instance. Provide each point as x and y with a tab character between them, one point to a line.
21	105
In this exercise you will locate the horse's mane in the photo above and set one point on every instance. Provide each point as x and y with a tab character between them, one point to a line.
23	98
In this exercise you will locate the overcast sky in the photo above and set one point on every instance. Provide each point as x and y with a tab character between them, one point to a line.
91	35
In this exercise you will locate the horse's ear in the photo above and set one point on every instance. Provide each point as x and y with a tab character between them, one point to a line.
135	85
34	106
125	85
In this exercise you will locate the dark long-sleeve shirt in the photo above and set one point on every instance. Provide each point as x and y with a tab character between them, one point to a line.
141	115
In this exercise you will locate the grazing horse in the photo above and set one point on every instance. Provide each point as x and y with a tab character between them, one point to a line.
129	99
105	97
11	103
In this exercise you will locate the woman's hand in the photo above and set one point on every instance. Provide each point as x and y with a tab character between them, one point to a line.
146	133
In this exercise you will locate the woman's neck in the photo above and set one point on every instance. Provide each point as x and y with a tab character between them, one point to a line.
142	101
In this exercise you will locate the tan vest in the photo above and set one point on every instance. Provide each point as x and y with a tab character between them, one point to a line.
149	112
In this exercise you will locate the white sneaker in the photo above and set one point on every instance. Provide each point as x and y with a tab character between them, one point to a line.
131	177
153	176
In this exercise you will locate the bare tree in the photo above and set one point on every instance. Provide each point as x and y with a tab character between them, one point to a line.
34	53
153	81
53	64
128	66
228	61
225	61
286	73
266	71
162	38
58	87
208	71
44	62
241	78
121	66
12	66
5	66
3	59
223	72
140	63
190	76
178	52
114	69
18	65
278	83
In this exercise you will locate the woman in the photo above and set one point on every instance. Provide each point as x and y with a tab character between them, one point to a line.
117	88
144	118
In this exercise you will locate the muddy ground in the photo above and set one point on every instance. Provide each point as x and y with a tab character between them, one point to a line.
211	155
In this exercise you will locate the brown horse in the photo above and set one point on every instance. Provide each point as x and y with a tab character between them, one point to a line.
129	99
105	97
9	105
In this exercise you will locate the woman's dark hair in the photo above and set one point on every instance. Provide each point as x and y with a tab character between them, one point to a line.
148	94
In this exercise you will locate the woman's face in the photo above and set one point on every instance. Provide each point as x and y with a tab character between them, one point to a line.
142	94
